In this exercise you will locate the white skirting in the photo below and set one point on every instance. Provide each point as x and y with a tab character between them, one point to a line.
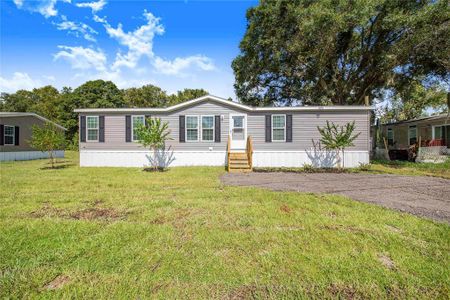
124	158
318	159
28	155
110	158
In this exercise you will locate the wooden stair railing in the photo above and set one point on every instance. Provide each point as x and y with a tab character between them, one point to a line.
229	152
249	150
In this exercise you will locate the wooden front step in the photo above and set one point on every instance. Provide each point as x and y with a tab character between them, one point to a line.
239	162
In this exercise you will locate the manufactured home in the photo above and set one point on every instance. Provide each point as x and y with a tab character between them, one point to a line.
430	131
15	134
209	130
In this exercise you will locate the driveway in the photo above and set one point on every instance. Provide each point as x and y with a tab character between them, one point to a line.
422	196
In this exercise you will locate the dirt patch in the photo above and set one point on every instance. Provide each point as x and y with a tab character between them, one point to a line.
47	210
57	283
342	291
386	261
286	209
419	195
96	214
248	292
91	213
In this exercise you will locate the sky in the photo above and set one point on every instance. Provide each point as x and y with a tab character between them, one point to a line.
171	44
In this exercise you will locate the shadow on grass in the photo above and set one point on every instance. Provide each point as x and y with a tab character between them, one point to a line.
63	164
159	169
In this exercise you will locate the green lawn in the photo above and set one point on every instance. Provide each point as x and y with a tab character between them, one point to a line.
410	168
124	233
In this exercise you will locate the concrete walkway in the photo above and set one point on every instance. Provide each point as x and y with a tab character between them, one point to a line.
423	196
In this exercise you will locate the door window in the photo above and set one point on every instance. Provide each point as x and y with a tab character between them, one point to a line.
238	133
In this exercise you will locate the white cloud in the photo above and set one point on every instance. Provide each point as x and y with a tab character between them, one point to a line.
78	29
139	42
82	58
179	64
19	81
95	6
44	7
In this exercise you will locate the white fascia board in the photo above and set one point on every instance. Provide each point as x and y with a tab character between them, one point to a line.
224	102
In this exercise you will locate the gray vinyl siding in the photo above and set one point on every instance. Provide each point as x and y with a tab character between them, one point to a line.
304	129
25	124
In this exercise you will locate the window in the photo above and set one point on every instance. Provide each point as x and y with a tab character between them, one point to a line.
279	128
191	128
9	135
438	133
92	128
207	128
137	120
412	133
390	136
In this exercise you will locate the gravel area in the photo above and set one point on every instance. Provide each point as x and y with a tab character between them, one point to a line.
422	196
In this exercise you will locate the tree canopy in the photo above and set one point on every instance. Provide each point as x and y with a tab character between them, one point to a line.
412	102
338	51
59	106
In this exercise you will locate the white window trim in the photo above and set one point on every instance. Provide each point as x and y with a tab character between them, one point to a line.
432	131
409	136
213	127
284	139
132	126
393	135
13	135
186	129
87	129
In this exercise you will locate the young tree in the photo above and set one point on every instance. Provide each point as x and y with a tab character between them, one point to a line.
48	138
337	138
153	134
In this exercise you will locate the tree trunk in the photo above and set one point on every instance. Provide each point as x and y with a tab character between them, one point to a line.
51	159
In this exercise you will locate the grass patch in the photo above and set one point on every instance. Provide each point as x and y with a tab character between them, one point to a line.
410	168
441	170
126	233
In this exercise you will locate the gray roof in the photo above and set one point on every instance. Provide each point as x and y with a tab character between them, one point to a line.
28	114
230	103
429	118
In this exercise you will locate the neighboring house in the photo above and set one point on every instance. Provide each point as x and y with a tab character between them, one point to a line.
15	134
200	131
431	131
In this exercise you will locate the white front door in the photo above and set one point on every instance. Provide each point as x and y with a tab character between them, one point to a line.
238	131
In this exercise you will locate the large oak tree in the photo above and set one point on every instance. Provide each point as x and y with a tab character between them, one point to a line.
338	51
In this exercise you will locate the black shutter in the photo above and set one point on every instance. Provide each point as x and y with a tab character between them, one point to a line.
147	117
268	128
128	129
288	128
101	127
182	132
217	131
16	135
83	129
2	134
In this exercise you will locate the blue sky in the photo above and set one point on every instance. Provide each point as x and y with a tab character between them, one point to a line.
172	44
